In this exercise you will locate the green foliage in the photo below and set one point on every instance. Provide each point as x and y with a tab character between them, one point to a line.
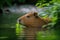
56	1
8	2
42	3
1	2
46	35
18	29
21	0
49	10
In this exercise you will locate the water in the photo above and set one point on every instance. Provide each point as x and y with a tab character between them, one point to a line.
7	34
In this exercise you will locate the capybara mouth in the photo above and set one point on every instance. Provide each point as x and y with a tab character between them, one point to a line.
22	24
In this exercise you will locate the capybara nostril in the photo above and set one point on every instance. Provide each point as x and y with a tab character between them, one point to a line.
19	20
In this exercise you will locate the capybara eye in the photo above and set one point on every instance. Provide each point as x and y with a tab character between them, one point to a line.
28	16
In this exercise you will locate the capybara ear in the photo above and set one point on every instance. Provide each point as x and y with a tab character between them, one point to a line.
35	14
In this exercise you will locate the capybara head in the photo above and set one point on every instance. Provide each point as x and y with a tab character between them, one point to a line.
31	19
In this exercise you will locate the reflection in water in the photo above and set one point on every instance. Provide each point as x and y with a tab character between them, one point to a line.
3	37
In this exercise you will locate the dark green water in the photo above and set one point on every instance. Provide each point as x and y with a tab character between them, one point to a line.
7	34
8	26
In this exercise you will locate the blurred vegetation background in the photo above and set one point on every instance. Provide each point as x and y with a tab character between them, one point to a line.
10	30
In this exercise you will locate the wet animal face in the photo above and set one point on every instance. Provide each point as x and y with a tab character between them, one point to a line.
31	19
28	19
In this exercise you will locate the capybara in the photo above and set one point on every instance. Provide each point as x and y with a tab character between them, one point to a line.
33	24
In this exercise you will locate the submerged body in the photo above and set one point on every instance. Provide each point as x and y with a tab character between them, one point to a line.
33	24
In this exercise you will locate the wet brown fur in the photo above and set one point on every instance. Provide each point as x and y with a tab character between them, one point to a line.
33	24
